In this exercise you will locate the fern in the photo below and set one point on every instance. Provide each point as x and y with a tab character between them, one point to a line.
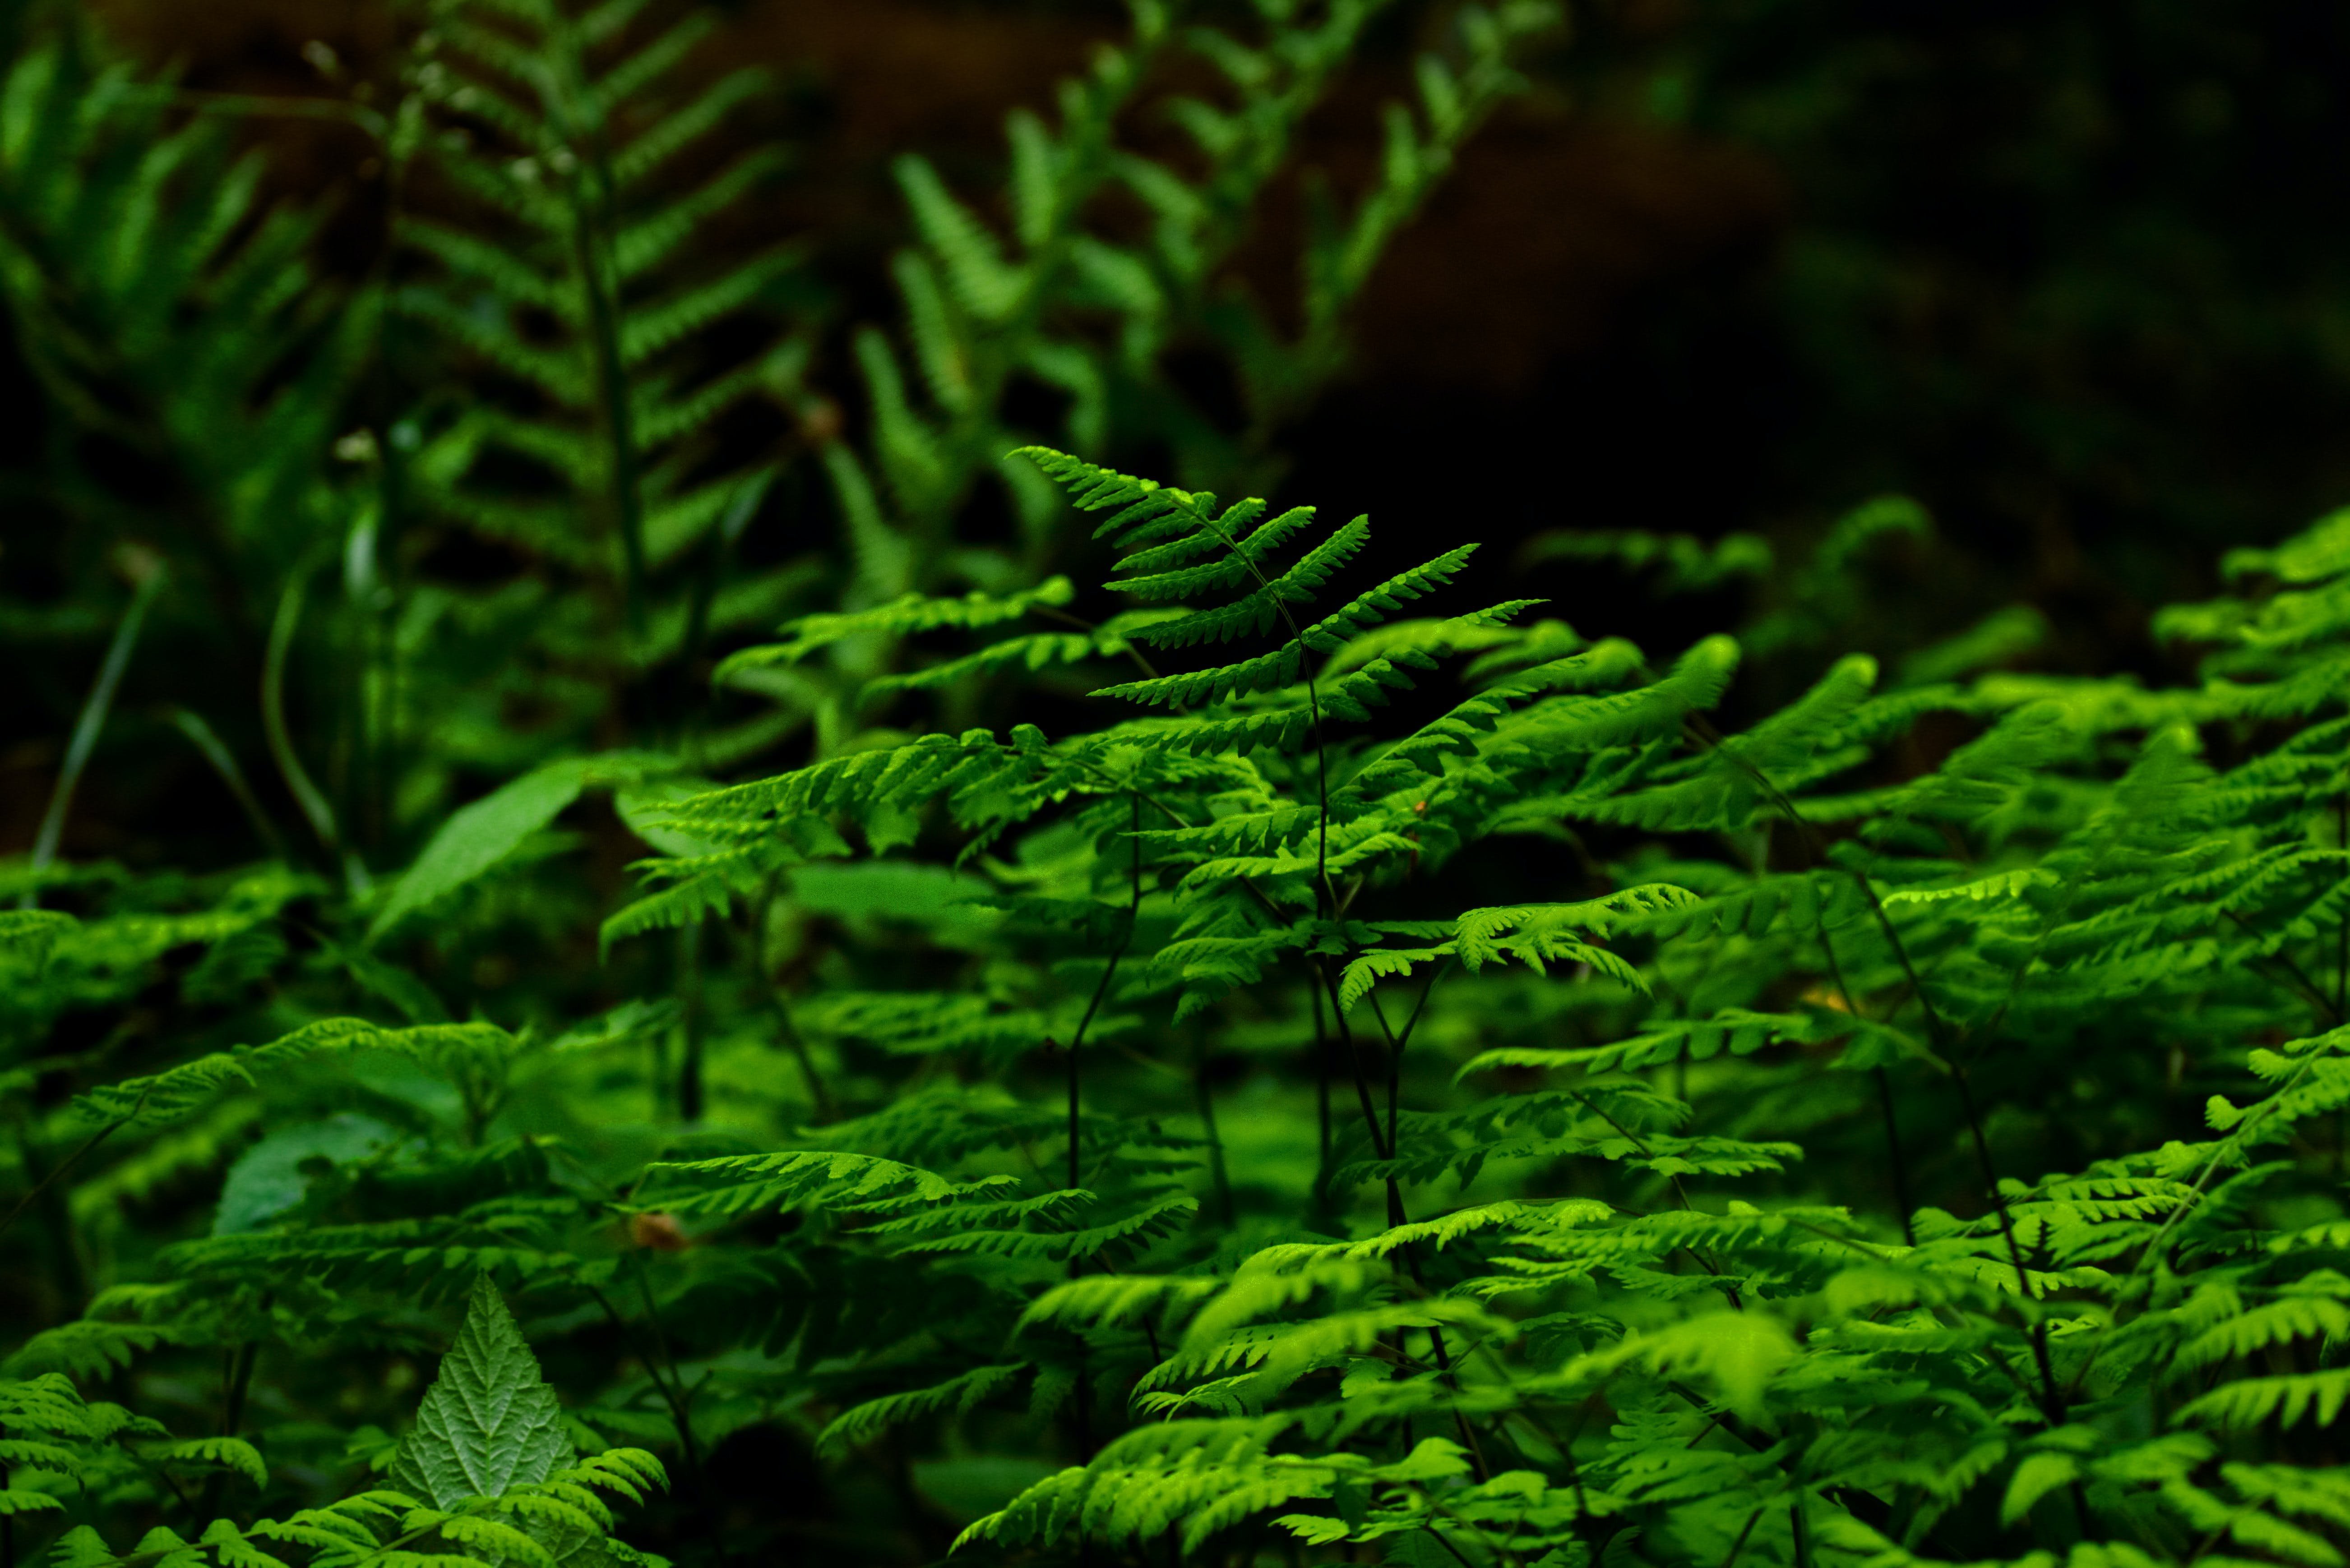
562	140
1287	1068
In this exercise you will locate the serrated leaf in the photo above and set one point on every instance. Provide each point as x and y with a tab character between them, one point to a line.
488	1422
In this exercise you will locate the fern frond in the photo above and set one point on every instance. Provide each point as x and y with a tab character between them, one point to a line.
739	1183
863	1423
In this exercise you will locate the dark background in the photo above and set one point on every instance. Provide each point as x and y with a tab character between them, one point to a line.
2071	274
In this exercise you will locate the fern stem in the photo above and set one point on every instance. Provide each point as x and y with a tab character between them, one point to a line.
236	1383
48	1180
2310	991
1441	1541
821	1095
591	221
1902	1202
1101	990
1938	1034
1396	1214
683	1401
92	719
1740	1544
1396	1043
1324	894
672	1389
2052	1402
1053	612
1362	1086
754	940
1074	1107
1680	1192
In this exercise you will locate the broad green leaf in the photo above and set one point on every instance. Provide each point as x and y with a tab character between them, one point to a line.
477	837
268	1179
488	1422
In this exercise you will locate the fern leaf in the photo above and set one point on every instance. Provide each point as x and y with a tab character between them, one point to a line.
863	1423
739	1183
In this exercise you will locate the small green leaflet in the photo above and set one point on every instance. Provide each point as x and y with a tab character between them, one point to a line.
488	1422
477	837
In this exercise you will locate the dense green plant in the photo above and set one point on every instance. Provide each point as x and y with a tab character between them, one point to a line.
1420	1084
1141	1079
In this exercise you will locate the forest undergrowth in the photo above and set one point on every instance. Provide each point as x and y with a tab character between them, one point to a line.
763	955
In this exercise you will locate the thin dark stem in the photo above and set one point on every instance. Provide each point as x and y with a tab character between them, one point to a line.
1901	1200
671	1387
99	1137
1101	991
1327	895
2053	1399
1938	1034
1448	1545
672	1390
238	1381
1149	670
819	1096
1739	1545
684	1399
1396	1043
1680	1191
2311	991
1362	1085
591	222
187	1504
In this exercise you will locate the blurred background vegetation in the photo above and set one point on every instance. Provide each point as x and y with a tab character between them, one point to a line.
2068	273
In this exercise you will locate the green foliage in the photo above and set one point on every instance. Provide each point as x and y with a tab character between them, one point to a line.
486	1458
487	1422
1267	1073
